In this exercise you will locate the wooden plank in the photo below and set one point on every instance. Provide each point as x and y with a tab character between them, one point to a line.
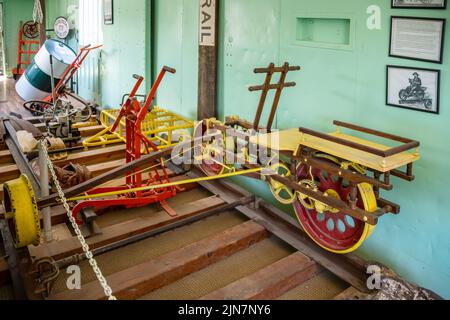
8	173
102	168
270	282
5	277
59	215
90	131
61	232
144	278
6	157
62	249
95	156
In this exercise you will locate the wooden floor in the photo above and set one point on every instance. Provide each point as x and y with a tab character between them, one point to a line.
9	100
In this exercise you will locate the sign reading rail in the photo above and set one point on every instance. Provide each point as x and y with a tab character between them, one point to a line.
207	32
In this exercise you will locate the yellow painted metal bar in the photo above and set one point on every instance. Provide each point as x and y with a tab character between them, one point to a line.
157	122
166	185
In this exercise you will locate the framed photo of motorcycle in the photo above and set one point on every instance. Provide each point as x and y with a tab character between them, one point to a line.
413	88
417	4
417	38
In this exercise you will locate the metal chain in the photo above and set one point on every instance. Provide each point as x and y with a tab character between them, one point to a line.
107	289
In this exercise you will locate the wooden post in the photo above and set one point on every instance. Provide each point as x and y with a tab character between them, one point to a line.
42	26
208	45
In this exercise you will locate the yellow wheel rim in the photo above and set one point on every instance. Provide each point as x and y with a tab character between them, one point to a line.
280	192
369	203
22	213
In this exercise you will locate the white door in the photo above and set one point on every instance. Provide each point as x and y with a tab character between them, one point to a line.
90	33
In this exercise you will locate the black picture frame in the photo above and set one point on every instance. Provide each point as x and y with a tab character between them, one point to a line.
108	12
436	110
444	24
393	6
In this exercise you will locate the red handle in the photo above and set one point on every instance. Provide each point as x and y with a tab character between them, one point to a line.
169	69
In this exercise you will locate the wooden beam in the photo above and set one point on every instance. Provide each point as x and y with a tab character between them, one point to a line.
6	157
90	131
43	26
59	215
208	59
63	249
95	156
144	278
9	172
102	168
270	282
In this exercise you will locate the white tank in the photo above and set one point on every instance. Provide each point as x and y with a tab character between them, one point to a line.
35	83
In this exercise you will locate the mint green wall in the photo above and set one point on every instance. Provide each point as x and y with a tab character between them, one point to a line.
334	84
67	9
14	12
125	51
177	47
350	85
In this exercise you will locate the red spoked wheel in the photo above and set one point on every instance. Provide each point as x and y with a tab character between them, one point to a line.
332	230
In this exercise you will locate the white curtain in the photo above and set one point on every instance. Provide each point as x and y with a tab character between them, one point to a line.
90	24
90	33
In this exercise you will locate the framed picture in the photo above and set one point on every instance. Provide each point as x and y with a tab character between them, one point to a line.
108	11
413	88
419	4
417	38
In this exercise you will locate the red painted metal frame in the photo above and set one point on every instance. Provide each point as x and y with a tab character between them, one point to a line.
137	145
24	48
70	72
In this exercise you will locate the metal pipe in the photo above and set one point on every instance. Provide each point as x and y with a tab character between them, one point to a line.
52	79
45	191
